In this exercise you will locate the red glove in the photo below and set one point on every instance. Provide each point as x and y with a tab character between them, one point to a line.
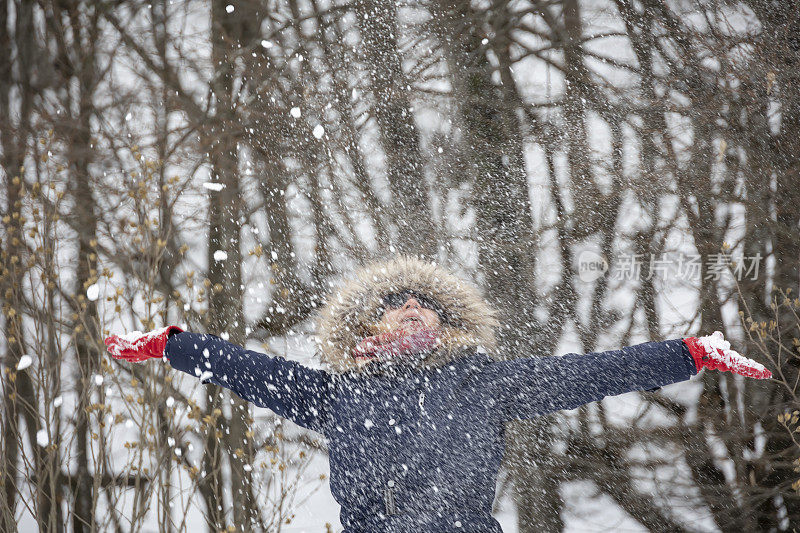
714	352
137	346
396	343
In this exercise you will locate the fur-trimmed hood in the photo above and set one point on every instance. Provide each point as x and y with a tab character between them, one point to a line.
351	312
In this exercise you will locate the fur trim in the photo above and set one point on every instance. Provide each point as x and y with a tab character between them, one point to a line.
350	313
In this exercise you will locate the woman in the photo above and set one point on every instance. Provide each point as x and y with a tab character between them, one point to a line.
412	406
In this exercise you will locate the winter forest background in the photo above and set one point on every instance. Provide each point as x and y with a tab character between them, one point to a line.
607	171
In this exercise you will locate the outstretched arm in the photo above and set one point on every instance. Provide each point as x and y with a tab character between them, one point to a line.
532	386
286	387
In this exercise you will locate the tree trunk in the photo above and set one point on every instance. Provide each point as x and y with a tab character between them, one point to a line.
505	228
11	277
399	136
224	273
779	49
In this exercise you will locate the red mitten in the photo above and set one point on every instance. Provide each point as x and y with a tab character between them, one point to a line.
396	343
714	352
137	346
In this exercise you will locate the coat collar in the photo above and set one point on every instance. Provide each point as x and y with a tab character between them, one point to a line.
409	367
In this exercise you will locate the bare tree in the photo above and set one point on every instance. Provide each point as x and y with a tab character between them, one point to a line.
221	164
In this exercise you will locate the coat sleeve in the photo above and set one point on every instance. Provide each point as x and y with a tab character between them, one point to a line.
286	387
532	386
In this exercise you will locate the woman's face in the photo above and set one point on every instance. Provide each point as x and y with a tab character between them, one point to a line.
411	316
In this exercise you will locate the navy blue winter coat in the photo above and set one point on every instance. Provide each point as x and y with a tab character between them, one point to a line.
418	450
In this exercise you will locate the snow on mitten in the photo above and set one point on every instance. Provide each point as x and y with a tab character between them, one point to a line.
714	352
137	346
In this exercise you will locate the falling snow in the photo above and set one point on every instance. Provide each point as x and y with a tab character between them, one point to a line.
213	186
93	292
561	164
24	362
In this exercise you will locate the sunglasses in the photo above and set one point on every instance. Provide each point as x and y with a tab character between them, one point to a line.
396	300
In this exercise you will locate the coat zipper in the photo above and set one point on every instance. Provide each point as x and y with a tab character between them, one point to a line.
388	498
421	401
388	492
